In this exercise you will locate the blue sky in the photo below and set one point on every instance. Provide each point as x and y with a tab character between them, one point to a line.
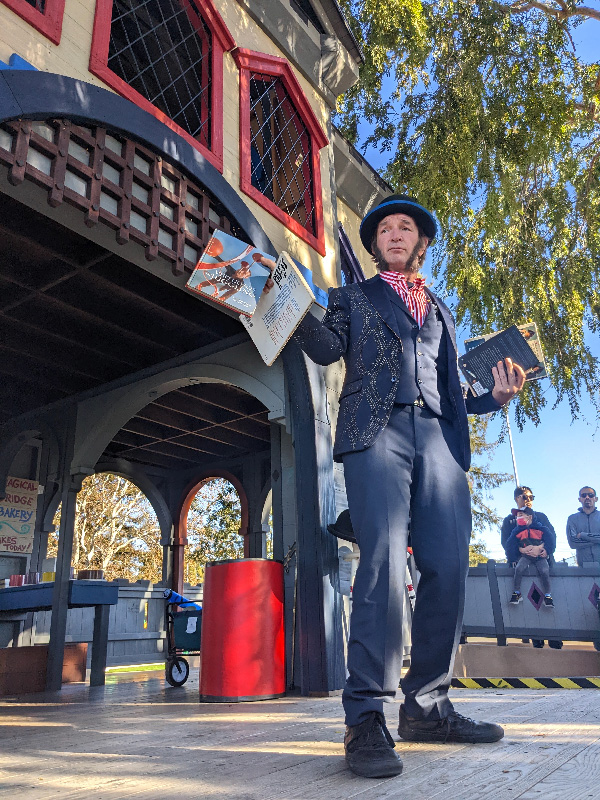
559	456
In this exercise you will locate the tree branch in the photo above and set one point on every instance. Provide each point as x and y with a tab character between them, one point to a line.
561	13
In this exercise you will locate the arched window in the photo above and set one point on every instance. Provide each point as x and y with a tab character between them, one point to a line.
116	530
213	527
280	139
167	57
46	16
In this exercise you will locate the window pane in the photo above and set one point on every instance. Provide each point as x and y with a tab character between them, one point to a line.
190	253
76	183
5	140
141	164
109	203
167	183
46	131
113	144
280	150
165	238
79	152
166	210
111	174
163	49
137	221
191	226
39	161
140	192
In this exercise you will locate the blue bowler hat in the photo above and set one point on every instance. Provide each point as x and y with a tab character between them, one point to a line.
396	204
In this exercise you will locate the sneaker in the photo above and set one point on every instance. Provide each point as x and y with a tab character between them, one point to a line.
548	601
516	598
370	749
453	728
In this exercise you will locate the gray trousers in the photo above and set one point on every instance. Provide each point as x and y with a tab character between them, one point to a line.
541	567
411	472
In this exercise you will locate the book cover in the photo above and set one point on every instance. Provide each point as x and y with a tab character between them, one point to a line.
229	272
529	332
477	362
279	311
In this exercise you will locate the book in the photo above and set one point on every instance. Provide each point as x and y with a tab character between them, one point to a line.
229	272
484	352
279	311
529	332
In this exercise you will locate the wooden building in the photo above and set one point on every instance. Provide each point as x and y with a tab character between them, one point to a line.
129	132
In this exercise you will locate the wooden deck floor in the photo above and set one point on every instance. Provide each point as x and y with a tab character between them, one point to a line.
141	739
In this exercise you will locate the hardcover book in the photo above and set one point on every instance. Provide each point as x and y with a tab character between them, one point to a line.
279	311
229	272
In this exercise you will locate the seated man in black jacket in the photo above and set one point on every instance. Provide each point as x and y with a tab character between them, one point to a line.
524	498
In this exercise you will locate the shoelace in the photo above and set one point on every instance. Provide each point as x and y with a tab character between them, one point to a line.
387	734
454	715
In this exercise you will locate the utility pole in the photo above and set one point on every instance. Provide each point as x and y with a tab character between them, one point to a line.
512	447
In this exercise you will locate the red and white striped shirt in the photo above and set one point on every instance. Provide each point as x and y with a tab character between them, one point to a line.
414	296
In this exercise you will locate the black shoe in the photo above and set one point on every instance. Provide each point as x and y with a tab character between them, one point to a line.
548	601
515	598
370	749
538	643
555	644
453	728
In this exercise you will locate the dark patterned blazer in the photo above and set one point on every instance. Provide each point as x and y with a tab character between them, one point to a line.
360	327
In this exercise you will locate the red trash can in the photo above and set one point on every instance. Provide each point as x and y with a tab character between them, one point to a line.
242	646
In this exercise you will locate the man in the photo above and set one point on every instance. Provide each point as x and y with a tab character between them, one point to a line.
402	435
524	498
583	528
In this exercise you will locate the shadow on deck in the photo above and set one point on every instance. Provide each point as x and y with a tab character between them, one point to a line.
138	738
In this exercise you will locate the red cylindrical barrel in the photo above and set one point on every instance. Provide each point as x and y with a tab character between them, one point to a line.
242	647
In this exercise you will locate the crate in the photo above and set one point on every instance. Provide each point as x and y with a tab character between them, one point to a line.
23	669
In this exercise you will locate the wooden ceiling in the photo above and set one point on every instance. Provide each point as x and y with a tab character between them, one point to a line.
74	316
193	427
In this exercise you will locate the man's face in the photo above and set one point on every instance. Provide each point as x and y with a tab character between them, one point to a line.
525	500
398	242
587	498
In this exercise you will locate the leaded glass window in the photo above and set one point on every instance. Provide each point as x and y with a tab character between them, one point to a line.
163	50
280	150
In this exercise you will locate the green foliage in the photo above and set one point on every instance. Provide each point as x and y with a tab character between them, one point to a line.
116	530
494	122
481	482
214	521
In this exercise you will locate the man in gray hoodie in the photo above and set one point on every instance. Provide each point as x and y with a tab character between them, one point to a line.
583	528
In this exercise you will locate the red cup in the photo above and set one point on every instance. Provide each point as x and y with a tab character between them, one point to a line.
16	580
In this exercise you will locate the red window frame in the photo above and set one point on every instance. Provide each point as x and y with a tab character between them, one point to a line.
49	22
248	62
223	42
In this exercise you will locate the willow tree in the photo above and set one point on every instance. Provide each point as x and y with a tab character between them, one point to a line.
490	117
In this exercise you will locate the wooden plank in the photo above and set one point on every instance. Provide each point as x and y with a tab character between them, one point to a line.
138	739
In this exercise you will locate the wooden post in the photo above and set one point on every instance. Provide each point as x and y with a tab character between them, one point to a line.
70	486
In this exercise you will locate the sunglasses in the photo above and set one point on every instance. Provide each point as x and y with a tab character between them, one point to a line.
587	494
528	496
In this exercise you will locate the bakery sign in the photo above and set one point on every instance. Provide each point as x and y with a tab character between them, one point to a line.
17	516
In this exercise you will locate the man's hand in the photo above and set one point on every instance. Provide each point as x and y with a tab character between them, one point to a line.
269	264
509	379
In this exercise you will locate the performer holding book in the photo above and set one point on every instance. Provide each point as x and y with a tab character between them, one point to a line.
402	435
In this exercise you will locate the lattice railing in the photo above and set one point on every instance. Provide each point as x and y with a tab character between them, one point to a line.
118	183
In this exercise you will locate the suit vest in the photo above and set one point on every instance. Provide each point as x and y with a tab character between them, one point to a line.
424	369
